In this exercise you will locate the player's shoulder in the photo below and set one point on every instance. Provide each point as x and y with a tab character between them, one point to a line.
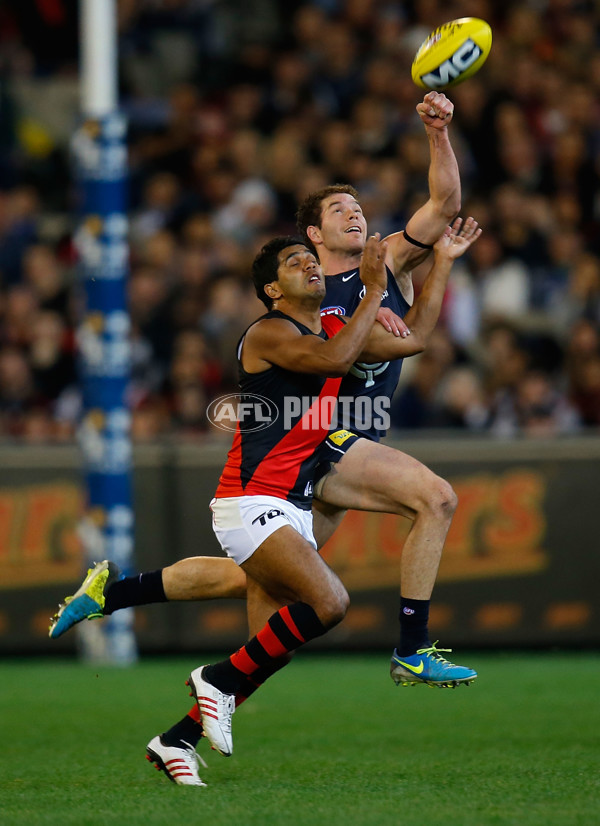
272	325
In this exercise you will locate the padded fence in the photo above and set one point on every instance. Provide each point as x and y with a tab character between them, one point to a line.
520	566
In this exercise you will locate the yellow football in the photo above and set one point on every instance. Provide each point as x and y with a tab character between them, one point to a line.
452	53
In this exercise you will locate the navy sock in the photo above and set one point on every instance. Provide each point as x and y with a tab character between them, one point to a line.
414	631
142	589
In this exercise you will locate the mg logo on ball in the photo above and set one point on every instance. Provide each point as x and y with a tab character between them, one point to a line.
450	69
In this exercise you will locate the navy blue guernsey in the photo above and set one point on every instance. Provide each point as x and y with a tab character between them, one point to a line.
280	459
367	388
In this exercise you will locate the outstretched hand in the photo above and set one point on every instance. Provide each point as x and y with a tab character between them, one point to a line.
436	110
372	266
457	239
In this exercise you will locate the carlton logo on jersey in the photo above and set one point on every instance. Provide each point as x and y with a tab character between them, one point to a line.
368	371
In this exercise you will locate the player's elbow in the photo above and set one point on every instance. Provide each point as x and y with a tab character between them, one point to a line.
418	341
450	207
415	346
328	366
338	371
410	346
337	368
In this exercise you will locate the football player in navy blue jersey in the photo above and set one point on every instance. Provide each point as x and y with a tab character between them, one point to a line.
367	474
358	472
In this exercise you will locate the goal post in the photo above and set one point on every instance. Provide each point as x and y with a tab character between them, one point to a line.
101	239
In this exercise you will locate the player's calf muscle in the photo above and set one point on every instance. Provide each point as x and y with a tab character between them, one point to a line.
204	577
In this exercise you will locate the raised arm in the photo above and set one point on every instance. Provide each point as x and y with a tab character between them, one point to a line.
428	222
425	312
277	341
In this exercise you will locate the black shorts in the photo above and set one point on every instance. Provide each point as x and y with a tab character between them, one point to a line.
331	451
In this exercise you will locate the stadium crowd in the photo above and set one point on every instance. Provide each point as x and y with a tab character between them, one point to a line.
236	110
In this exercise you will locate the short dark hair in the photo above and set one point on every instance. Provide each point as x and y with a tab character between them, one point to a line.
264	266
309	211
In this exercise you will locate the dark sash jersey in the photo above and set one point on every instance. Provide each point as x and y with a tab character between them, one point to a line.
375	381
279	459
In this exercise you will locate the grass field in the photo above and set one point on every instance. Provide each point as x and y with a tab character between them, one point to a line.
328	741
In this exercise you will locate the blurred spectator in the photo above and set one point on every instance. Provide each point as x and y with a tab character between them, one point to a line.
585	391
225	320
150	420
194	373
534	407
462	401
148	295
17	392
159	202
20	308
18	230
502	282
416	403
583	370
50	356
42	270
250	211
505	358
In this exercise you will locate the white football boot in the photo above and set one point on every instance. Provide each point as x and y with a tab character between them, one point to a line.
216	709
180	765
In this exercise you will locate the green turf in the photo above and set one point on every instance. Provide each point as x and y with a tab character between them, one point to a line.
328	741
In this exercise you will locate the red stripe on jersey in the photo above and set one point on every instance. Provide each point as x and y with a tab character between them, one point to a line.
278	471
287	618
243	662
331	324
230	483
271	642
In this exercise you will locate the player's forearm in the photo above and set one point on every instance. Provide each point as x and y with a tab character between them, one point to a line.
340	352
425	312
385	346
444	176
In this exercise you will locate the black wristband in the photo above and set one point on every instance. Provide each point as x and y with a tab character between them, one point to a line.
417	243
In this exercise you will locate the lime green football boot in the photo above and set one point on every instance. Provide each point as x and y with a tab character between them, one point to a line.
88	601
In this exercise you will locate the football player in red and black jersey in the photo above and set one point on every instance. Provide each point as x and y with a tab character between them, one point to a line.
261	508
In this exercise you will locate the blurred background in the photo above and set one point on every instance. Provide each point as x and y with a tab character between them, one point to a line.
235	111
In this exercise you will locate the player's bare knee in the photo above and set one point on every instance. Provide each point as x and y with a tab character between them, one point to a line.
332	609
446	500
438	500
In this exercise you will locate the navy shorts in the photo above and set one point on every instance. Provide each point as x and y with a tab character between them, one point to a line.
330	452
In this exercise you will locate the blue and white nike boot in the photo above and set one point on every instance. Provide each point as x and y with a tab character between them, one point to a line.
428	666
